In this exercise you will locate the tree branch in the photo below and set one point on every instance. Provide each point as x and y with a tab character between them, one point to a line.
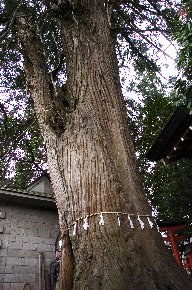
135	29
5	121
44	92
152	44
145	58
17	140
159	11
7	29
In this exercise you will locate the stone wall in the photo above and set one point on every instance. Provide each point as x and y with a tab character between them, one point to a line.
25	232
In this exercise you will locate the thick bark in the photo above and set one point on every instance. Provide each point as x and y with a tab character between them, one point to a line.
92	164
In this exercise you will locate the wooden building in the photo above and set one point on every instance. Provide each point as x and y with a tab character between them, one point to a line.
175	140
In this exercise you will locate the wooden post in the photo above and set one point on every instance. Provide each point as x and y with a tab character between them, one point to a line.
175	247
41	271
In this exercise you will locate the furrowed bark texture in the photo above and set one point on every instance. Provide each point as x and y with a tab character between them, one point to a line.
92	164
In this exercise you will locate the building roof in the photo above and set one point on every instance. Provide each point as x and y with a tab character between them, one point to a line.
41	186
39	193
175	140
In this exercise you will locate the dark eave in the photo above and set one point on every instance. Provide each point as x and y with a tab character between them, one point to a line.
175	140
33	199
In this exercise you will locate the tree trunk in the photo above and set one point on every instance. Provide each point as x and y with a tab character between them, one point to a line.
91	162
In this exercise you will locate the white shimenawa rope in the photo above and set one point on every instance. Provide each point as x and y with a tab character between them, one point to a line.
101	221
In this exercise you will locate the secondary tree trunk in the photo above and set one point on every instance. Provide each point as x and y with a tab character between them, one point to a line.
92	164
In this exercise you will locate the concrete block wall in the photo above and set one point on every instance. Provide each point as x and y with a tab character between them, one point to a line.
25	232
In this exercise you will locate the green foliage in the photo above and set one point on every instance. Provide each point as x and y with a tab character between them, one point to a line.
22	152
167	186
170	186
183	36
153	110
136	27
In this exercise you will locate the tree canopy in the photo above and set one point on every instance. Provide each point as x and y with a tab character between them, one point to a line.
138	28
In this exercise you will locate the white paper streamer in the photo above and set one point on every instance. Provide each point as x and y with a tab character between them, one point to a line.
130	221
60	243
60	217
118	219
74	229
85	223
101	222
150	222
157	226
141	222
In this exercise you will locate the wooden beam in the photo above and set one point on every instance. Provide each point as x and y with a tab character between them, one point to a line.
41	271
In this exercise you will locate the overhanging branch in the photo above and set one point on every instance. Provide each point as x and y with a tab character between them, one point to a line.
8	27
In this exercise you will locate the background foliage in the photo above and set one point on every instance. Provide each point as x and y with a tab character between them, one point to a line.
139	28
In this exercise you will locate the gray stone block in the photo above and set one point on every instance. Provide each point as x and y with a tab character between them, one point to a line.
15	231
28	239
14	222
43	233
7	230
18	269
26	224
5	222
6	286
12	238
18	286
2	214
50	255
1	278
3	261
22	253
45	248
32	254
3	252
8	269
16	253
14	260
54	233
50	241
29	246
2	269
30	261
12	278
30	278
7	209
31	232
34	269
15	245
4	242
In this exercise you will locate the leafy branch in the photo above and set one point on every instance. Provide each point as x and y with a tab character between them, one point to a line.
8	28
